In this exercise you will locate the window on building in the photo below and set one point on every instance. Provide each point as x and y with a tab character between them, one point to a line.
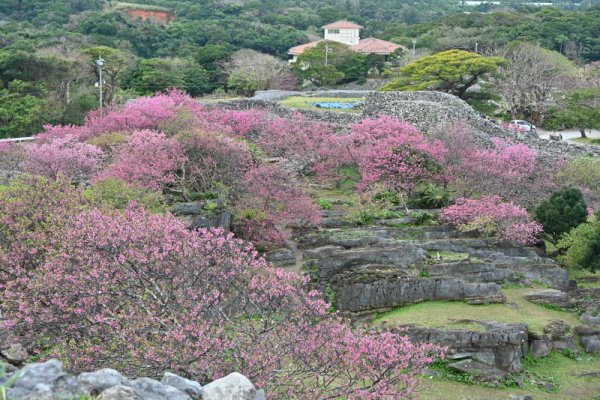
334	31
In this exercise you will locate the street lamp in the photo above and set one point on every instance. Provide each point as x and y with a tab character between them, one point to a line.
100	64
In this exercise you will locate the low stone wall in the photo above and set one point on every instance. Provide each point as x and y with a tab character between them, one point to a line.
330	117
48	381
427	110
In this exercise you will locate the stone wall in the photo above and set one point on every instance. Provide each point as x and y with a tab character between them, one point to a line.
427	110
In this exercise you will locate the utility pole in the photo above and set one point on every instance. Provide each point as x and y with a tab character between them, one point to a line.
100	63
414	46
476	46
327	50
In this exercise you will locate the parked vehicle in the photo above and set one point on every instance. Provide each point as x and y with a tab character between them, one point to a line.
524	125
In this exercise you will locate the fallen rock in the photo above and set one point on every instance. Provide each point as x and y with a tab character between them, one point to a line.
15	354
192	388
590	318
234	386
479	371
589	337
151	389
102	379
120	392
550	297
39	373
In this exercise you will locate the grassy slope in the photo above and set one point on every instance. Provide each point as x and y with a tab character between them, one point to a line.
590	141
564	372
302	102
439	314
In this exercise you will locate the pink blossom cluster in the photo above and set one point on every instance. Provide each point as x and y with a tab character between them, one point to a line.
395	153
491	216
147	160
64	155
271	204
198	303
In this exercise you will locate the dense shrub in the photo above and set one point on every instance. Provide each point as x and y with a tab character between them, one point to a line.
563	211
147	160
581	246
139	292
213	163
584	174
490	216
270	204
64	155
12	156
30	208
115	194
430	196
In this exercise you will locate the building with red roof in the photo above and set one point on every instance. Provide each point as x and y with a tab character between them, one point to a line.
348	33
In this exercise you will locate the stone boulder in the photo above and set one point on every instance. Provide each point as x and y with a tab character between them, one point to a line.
151	389
590	318
192	388
46	377
100	380
120	392
234	386
550	297
590	338
204	214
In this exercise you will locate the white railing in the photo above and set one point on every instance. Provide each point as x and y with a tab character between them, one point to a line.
19	139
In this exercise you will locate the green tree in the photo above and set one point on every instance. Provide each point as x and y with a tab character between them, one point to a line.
313	65
196	80
20	113
117	64
453	71
242	83
155	74
563	211
582	246
580	110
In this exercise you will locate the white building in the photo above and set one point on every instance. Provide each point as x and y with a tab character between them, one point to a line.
344	32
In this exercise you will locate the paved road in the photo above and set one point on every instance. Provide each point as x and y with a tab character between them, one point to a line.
569	134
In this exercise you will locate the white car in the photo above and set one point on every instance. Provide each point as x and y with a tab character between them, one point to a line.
523	125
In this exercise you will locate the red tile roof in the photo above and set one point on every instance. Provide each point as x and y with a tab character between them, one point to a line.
376	46
342	25
297	50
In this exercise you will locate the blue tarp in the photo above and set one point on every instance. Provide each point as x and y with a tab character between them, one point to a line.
334	104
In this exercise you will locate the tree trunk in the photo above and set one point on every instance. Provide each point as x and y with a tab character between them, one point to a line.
582	131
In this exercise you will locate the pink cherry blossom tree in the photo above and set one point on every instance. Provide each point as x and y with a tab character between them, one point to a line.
147	160
64	155
490	216
201	304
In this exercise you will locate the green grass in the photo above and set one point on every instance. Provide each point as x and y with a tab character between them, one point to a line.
584	278
138	6
303	102
589	141
446	315
448	256
564	372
